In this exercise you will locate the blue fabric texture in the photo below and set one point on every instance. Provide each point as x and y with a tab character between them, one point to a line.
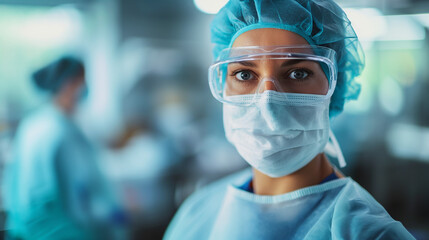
247	186
338	209
331	177
320	22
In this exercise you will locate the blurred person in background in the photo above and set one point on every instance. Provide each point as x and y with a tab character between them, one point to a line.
283	70
141	160
53	186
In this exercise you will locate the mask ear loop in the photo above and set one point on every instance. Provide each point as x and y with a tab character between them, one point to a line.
333	149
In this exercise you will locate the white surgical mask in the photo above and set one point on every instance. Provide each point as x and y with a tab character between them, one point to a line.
281	132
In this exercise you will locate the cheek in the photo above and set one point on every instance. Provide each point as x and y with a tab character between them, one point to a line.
326	87
317	87
321	88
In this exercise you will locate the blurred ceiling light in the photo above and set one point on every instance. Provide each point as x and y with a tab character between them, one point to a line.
61	25
423	19
408	141
368	23
391	96
402	28
371	25
210	6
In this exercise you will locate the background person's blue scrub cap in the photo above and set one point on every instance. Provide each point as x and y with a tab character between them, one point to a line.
320	22
53	76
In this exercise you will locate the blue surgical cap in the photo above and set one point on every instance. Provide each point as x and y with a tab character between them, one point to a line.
320	22
52	77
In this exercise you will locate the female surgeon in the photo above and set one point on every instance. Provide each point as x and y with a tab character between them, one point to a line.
283	68
53	184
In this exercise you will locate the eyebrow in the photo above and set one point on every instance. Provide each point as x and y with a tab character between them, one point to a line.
244	63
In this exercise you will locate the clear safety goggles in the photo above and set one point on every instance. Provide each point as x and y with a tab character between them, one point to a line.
247	72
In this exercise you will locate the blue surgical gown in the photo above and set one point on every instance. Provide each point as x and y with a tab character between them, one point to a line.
51	180
338	209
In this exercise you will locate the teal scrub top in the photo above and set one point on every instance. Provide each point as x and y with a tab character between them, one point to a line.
51	180
337	209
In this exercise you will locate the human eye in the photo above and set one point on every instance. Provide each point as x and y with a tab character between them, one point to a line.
244	75
299	74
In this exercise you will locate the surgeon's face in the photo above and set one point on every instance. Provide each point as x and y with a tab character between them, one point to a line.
316	83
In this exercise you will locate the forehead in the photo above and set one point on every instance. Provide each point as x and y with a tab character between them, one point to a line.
268	37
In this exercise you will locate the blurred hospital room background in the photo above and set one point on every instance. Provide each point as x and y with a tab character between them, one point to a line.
157	128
